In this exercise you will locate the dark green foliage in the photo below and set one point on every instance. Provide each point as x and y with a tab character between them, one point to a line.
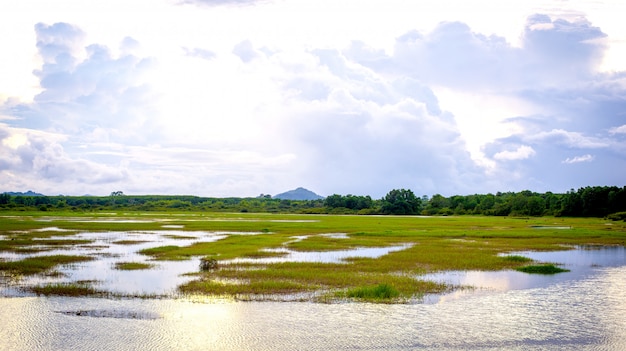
542	269
208	264
619	216
401	202
351	202
5	198
598	201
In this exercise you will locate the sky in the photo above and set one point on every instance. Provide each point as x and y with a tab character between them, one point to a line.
245	97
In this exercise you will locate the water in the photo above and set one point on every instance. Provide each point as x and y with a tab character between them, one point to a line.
108	249
585	314
583	309
111	248
582	263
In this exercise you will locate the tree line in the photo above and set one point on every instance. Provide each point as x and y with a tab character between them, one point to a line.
596	201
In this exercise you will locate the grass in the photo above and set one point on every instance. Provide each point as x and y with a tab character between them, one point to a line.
517	258
65	289
380	292
436	244
40	264
133	266
542	269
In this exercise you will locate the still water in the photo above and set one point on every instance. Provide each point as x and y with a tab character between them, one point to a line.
584	309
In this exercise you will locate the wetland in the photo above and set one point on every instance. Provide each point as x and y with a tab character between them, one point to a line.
313	272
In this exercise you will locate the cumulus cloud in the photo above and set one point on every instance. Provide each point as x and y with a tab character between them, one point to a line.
38	158
87	96
553	52
521	153
242	120
359	132
84	87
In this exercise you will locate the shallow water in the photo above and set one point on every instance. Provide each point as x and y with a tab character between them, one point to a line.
337	256
107	250
582	263
581	314
582	310
110	248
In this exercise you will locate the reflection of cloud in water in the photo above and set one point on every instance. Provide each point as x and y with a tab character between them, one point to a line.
582	262
338	256
160	280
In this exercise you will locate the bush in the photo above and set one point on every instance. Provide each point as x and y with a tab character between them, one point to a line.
542	269
618	216
208	264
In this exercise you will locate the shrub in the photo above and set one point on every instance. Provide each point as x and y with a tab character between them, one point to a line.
542	269
208	264
618	216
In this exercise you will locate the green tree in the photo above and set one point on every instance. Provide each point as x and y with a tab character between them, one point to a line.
401	202
5	198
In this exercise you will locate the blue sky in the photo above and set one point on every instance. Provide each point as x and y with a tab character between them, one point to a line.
238	98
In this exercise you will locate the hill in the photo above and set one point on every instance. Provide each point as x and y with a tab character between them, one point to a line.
298	194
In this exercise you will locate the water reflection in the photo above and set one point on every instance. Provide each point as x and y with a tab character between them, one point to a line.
584	314
110	248
583	310
338	256
582	262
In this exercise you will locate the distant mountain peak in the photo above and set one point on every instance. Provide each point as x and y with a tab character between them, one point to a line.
299	193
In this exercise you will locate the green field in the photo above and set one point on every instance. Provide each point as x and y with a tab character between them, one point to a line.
431	244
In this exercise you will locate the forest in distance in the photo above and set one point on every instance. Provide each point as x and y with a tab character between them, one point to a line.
591	201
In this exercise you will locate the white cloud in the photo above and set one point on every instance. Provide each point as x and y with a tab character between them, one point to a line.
578	159
521	153
569	139
618	130
241	100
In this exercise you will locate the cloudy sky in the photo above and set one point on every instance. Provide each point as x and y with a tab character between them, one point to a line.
243	97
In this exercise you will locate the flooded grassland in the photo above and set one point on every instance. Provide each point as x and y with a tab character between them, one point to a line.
198	281
274	257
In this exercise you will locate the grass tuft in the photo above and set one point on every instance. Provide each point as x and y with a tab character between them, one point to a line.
542	269
65	289
374	293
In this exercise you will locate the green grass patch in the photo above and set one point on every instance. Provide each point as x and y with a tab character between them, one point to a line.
233	246
65	289
40	264
373	293
434	244
133	266
542	269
